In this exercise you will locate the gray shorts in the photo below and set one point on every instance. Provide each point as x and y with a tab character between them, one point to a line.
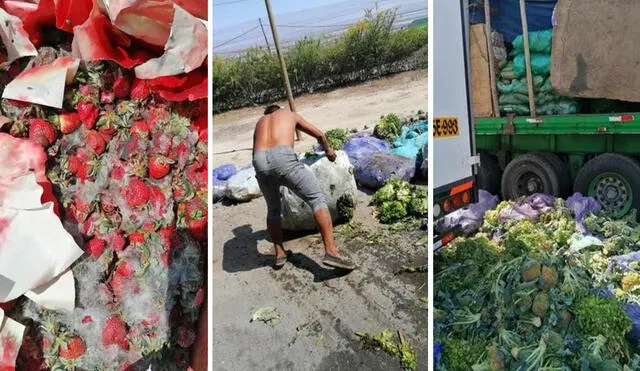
279	166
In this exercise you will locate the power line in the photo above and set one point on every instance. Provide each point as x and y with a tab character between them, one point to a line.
235	38
314	26
231	2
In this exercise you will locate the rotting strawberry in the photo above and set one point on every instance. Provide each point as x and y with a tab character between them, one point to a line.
73	349
198	228
116	241
139	89
159	166
186	337
88	113
107	203
95	247
95	142
114	332
107	97
69	122
140	127
71	164
121	87
136	238
136	193
86	319
42	132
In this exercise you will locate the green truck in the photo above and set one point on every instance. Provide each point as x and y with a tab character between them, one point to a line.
594	154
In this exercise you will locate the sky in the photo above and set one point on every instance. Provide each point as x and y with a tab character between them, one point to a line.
236	25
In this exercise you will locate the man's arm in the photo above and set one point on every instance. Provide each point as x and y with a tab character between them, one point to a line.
306	127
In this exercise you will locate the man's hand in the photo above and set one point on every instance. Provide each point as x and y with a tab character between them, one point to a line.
331	155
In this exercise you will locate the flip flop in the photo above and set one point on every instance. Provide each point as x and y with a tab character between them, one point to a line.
281	260
338	262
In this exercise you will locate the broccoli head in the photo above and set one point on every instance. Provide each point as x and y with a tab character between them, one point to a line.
531	271
602	316
388	128
461	355
540	304
630	281
419	206
549	277
392	211
336	138
384	194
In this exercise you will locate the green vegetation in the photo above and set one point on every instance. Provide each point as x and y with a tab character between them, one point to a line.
368	49
398	199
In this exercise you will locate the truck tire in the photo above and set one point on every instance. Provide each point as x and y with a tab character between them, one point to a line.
528	174
562	172
613	180
489	173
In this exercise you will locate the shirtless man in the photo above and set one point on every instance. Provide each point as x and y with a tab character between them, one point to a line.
276	165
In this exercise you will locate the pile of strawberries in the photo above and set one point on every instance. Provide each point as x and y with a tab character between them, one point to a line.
130	173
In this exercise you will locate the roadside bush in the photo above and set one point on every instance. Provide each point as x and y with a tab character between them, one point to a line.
368	49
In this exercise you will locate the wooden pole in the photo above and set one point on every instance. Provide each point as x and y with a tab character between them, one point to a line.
492	71
527	58
285	75
265	35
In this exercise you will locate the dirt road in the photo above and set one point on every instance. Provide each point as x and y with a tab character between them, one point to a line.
351	107
321	308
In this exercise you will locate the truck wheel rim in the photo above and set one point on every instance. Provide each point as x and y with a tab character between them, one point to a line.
529	183
613	191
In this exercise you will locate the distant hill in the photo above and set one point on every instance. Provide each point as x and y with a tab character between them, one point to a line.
328	19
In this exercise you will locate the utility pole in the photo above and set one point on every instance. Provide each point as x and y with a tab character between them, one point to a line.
285	76
265	35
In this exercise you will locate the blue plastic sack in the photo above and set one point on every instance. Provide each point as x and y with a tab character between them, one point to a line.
382	167
223	172
437	349
408	150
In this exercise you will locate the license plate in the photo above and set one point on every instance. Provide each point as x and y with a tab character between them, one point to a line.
445	127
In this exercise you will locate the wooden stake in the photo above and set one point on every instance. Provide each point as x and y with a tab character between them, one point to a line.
283	67
527	58
492	71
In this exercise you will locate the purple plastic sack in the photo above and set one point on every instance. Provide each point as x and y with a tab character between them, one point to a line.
582	206
362	146
531	207
223	172
633	311
623	261
469	219
382	167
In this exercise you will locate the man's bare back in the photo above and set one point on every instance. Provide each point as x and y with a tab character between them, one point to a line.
278	128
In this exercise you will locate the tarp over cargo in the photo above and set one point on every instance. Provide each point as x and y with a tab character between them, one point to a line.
594	50
506	16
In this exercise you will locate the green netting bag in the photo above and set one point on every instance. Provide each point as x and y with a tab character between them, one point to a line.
539	42
518	109
546	98
520	86
540	64
546	87
565	107
506	73
513	98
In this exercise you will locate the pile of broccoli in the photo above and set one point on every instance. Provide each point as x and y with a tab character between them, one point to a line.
398	199
521	295
388	128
